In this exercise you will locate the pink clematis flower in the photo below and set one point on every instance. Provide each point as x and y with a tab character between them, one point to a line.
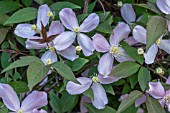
112	50
69	20
30	104
100	97
139	34
157	91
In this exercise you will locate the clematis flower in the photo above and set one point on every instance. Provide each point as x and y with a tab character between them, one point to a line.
157	91
139	34
100	98
30	104
69	20
112	50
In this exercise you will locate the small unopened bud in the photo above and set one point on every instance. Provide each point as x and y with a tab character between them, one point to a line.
119	3
48	61
95	79
159	71
50	14
34	27
140	51
78	48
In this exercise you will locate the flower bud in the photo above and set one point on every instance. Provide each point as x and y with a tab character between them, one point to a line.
159	71
78	48
140	51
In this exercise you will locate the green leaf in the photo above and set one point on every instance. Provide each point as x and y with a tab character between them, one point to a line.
3	33
3	18
19	86
78	63
153	106
3	110
143	77
5	60
156	26
129	100
133	80
58	6
104	28
92	109
36	72
55	103
8	6
132	52
22	15
27	2
68	101
64	71
23	61
91	6
108	88
125	69
41	2
89	93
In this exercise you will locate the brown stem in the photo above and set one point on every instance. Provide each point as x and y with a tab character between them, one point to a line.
85	10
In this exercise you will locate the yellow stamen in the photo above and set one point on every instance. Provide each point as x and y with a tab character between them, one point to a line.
95	79
20	111
119	3
160	71
140	51
114	50
158	41
48	61
50	14
78	48
52	49
77	29
34	27
167	99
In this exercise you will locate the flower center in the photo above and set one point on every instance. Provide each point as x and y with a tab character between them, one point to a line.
114	50
20	111
95	79
35	28
119	3
167	99
158	41
52	49
78	48
140	51
77	29
48	61
160	71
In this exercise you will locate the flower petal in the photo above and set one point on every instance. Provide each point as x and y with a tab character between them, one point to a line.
64	40
34	100
131	41
164	6
9	97
68	18
107	79
84	99
151	54
69	53
140	110
86	44
49	55
120	32
100	43
123	97
30	44
128	13
122	56
42	15
24	31
74	88
162	102
165	45
105	64
89	23
100	97
38	111
139	34
156	90
140	100
168	80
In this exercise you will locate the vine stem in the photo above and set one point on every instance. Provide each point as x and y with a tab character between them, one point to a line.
85	10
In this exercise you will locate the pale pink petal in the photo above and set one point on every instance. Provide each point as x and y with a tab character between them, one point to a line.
156	90
151	54
84	99
86	44
123	97
100	43
34	100
168	80
69	53
107	79
68	18
85	73
120	32
139	34
164	6
100	97
64	40
74	88
140	100
38	111
122	56
49	55
162	102
165	45
131	41
140	110
105	64
128	13
55	28
9	97
168	22
24	31
42	16
89	23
